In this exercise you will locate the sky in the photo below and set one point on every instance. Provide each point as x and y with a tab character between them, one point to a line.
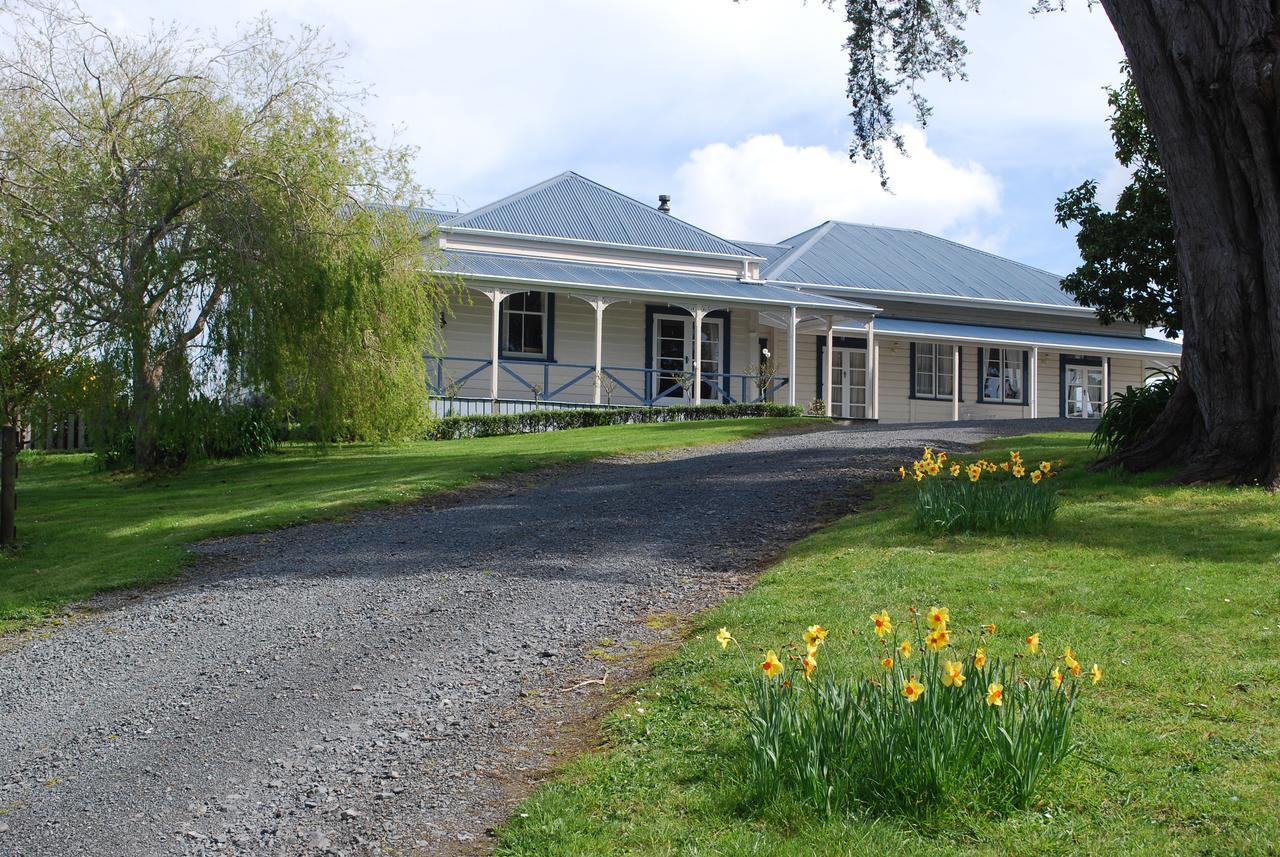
735	109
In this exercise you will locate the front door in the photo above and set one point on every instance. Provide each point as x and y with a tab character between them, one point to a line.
1084	391
849	383
673	359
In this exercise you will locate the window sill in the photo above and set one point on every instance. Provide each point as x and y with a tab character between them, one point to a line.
913	397
524	358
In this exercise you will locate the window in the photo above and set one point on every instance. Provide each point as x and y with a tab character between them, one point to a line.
933	373
1002	370
524	325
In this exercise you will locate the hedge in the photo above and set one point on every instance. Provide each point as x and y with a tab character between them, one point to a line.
486	425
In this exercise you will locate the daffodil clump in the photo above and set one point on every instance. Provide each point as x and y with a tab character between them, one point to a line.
939	715
981	495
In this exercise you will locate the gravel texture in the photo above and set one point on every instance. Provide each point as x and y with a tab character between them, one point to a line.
390	684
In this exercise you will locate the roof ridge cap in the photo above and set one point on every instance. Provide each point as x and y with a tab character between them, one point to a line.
795	253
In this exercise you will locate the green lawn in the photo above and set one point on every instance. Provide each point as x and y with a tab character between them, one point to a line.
84	532
1175	591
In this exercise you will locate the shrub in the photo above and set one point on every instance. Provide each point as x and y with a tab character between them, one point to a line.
1129	415
981	496
933	728
485	425
195	429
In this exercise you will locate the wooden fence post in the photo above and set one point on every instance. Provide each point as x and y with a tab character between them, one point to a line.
8	484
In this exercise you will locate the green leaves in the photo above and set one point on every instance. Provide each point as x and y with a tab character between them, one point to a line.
1129	271
944	505
1132	412
843	744
495	425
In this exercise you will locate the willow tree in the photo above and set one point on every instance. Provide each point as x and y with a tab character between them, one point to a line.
1208	73
217	209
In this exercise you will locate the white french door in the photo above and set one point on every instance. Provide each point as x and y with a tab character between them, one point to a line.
1084	391
673	358
849	383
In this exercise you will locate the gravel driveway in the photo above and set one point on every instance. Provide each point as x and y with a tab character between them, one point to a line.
391	683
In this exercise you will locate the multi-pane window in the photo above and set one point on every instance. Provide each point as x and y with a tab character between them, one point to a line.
524	325
1002	372
933	371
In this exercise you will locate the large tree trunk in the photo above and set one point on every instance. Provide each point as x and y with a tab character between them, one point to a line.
146	395
1208	72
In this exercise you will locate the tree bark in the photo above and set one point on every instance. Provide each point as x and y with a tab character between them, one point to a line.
146	393
1208	73
8	485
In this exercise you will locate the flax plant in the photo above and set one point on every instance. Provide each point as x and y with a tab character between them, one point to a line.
927	728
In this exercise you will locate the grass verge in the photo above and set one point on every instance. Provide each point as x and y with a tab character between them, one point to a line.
1173	589
83	532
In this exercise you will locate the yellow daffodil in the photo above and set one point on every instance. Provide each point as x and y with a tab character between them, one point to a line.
955	469
1056	676
1071	662
1004	465
938	639
942	456
814	635
724	638
919	475
882	624
1036	476
912	689
980	658
1019	471
995	694
928	453
939	617
887	663
952	674
810	662
975	472
1096	672
1033	643
1046	466
772	666
989	629
902	471
904	648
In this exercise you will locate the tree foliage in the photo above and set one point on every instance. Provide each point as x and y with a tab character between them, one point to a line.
1129	270
215	219
893	45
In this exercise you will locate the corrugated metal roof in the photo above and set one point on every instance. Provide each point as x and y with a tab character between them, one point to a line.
570	206
768	252
1072	342
432	215
904	260
612	278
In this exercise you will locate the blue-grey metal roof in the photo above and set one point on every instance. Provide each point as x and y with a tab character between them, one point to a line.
768	252
885	259
572	207
418	215
432	215
643	281
1071	342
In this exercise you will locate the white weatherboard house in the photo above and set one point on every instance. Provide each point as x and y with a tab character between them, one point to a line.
581	296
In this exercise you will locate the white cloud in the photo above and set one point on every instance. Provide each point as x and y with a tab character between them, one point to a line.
764	189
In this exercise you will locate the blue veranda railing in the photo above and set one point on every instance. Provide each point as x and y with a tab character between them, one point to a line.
465	377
